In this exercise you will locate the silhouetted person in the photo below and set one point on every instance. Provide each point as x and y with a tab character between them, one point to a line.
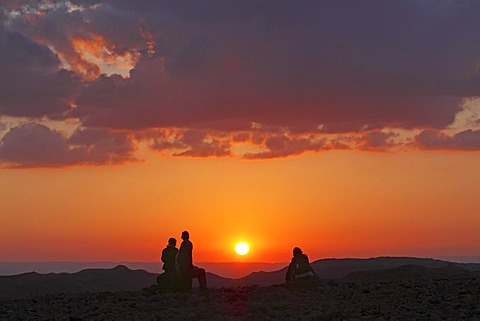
168	256
185	268
168	280
299	267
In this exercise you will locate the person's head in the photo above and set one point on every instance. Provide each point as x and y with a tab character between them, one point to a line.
172	241
185	235
297	251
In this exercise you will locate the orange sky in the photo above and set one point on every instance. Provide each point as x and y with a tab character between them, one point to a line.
349	129
335	204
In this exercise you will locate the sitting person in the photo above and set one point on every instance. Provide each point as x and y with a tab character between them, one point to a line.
168	256
299	267
167	281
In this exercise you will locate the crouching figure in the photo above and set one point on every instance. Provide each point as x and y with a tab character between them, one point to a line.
300	274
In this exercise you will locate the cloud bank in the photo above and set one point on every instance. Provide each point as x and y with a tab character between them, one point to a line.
289	77
467	140
35	145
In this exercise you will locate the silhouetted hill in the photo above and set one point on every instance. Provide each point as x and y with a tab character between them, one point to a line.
408	272
119	278
225	269
340	268
256	278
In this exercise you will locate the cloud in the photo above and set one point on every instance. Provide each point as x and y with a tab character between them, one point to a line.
101	146
278	146
377	141
32	145
343	66
35	145
31	82
468	140
192	143
281	76
335	64
88	37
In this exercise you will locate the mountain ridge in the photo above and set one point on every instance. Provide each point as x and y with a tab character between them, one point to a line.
122	278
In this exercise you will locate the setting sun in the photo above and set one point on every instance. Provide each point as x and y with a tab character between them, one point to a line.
242	248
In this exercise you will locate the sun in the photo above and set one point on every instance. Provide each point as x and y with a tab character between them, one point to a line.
242	248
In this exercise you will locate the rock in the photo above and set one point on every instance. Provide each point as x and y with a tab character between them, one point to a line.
402	300
144	307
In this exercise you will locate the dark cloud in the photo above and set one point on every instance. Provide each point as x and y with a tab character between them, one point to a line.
345	65
377	141
32	145
101	146
279	146
268	143
265	143
276	74
31	82
35	145
464	140
192	143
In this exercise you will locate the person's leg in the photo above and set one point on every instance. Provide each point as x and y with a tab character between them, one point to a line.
161	279
201	275
185	278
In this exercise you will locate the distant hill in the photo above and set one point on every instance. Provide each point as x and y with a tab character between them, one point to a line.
119	278
122	278
341	268
408	272
255	278
225	269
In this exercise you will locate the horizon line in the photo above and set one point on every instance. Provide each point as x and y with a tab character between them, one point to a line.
442	257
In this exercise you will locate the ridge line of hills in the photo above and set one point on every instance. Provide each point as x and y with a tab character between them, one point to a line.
121	278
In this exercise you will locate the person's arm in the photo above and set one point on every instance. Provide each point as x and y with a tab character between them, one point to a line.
163	256
308	263
290	269
191	254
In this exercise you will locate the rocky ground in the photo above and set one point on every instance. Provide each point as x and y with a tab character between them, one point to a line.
440	299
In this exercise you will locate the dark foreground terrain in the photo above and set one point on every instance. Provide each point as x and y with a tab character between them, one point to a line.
421	299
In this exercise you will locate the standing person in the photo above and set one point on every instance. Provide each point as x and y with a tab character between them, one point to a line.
185	262
185	268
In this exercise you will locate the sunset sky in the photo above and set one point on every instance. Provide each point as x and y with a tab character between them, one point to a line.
348	128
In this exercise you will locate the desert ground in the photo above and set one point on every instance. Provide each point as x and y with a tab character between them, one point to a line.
429	299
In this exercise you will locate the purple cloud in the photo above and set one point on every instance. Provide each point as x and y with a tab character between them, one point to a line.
279	75
35	145
31	81
192	143
468	140
336	64
279	146
30	145
377	141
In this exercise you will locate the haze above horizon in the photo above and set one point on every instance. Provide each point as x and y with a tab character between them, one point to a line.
224	269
